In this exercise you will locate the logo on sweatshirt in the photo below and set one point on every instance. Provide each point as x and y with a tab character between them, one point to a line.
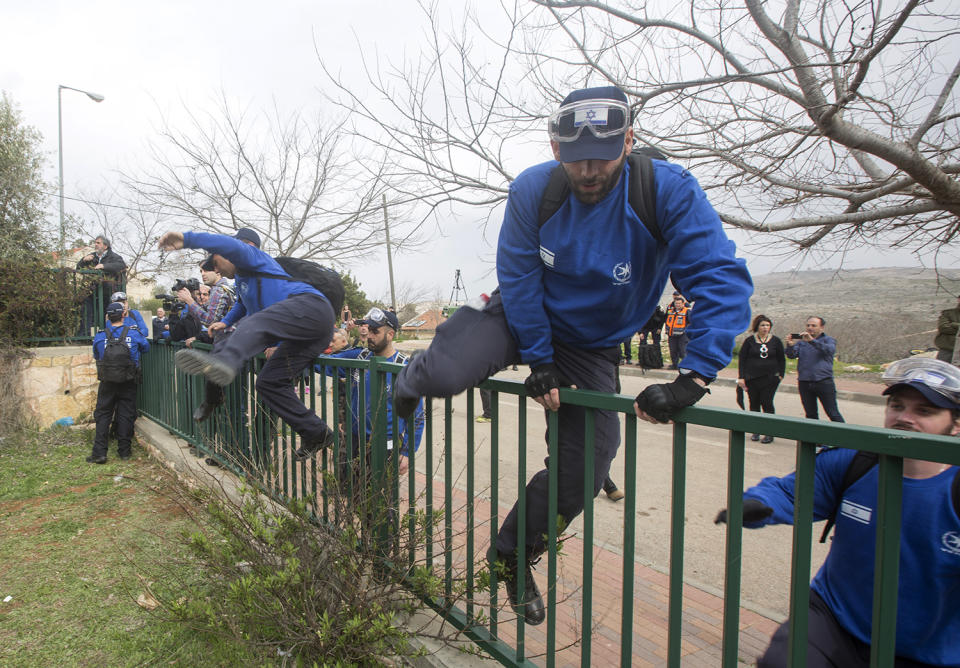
951	542
547	256
622	273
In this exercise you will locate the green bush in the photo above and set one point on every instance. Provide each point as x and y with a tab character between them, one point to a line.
39	302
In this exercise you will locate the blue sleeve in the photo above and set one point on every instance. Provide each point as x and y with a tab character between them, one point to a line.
825	346
520	270
98	343
141	325
244	256
778	493
143	342
704	267
418	423
351	354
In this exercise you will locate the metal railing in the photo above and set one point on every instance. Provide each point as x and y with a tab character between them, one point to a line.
464	501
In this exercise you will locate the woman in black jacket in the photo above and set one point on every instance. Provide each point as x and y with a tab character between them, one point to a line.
762	365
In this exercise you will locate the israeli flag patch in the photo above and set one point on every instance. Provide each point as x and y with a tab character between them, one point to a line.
547	257
855	511
590	116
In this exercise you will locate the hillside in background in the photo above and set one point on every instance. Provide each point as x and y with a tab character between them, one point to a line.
876	315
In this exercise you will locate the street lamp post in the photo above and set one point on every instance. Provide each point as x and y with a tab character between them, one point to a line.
96	97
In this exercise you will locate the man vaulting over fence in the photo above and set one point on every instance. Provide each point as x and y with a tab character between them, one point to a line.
585	250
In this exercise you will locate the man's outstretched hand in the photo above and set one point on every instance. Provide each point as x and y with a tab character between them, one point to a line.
657	403
171	241
753	511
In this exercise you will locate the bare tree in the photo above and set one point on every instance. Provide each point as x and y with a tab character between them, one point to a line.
821	123
292	179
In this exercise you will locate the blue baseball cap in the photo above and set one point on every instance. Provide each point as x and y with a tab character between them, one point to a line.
115	308
591	123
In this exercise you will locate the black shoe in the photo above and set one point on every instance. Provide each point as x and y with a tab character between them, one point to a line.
204	411
755	437
506	570
125	456
767	439
210	461
102	459
309	447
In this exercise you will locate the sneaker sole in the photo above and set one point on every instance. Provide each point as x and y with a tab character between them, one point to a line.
196	362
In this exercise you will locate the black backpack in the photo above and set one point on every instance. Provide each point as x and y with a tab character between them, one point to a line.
322	278
641	193
859	466
116	365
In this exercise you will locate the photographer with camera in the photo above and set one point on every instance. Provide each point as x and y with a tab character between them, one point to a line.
183	324
219	300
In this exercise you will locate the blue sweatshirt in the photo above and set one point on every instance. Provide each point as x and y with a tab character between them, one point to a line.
249	260
134	318
928	595
364	354
593	273
814	358
135	340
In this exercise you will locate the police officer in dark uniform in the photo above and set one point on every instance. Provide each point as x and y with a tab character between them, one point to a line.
120	395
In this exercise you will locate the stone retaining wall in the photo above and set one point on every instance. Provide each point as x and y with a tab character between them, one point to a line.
59	382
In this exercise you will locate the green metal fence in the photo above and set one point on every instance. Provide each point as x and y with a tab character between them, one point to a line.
447	484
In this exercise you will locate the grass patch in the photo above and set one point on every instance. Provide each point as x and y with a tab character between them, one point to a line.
80	543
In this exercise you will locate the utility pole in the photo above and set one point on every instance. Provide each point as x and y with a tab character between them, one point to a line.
386	228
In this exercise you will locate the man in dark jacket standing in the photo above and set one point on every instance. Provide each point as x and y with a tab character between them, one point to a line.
112	265
814	354
268	310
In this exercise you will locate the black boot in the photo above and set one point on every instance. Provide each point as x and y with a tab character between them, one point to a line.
505	568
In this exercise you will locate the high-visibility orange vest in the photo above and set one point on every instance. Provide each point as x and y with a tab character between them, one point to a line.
676	320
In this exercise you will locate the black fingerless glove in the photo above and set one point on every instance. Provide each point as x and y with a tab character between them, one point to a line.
543	378
661	401
753	511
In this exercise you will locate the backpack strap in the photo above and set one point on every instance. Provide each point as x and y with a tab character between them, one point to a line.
641	193
861	463
123	334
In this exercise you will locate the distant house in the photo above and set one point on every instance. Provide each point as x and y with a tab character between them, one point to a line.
423	325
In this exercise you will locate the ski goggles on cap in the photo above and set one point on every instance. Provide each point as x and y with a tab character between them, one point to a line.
118	297
933	378
377	317
603	118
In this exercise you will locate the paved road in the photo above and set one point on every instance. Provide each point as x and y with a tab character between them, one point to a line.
766	553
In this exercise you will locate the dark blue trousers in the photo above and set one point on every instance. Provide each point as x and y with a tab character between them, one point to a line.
473	345
119	399
303	324
823	390
829	645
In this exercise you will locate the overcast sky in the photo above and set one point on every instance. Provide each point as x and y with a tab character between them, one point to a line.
149	59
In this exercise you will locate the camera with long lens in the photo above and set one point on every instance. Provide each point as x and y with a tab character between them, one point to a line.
191	284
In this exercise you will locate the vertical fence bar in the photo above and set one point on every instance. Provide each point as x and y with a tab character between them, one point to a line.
448	499
629	541
589	454
552	487
731	575
494	502
471	443
887	565
800	561
677	513
521	518
428	465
